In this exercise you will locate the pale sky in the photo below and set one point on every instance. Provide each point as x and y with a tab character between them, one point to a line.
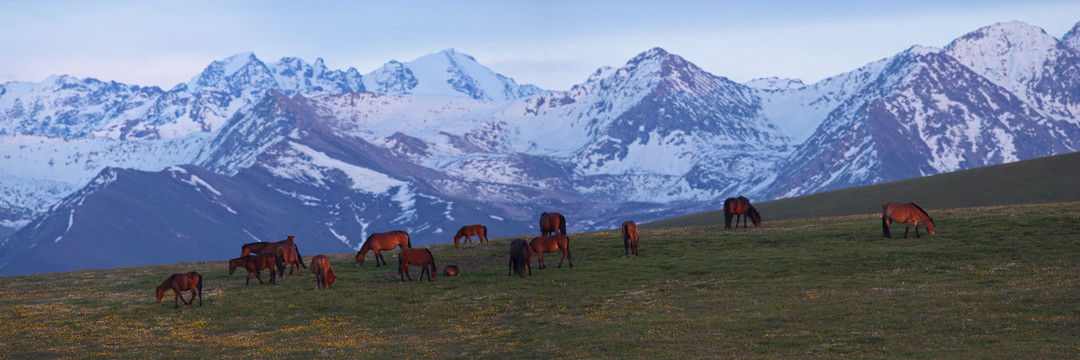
551	44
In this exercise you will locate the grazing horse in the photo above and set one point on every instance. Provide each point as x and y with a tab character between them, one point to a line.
378	242
418	257
324	274
629	236
179	282
468	231
254	264
520	254
546	244
286	251
552	223
905	213
451	270
741	208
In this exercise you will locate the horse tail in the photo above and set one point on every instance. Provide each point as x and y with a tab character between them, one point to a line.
432	257
562	224
885	223
727	212
484	230
200	284
408	241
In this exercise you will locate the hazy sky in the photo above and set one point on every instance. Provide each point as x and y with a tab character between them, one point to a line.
552	44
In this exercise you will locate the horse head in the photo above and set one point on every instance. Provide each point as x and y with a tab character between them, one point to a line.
360	258
233	264
755	217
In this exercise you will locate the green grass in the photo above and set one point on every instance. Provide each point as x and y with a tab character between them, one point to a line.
1043	180
994	282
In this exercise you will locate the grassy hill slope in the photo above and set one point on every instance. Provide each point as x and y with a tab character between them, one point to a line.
1042	180
994	282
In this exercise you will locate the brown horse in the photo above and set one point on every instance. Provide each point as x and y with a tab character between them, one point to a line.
418	257
286	251
179	282
451	270
467	232
255	264
741	208
905	213
520	255
629	236
546	244
324	274
378	242
552	223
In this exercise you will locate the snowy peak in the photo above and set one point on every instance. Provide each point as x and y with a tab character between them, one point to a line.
1072	39
234	74
446	73
775	83
1011	54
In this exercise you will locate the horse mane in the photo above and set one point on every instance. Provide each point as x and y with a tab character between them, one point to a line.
432	258
923	212
366	244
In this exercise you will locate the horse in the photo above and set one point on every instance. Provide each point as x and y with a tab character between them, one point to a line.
451	270
740	207
905	213
254	264
324	274
378	242
546	244
550	222
520	255
286	251
191	281
629	235
418	257
468	231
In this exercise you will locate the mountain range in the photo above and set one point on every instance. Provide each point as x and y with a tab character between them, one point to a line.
248	151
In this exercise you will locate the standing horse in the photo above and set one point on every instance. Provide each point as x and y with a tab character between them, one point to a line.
378	242
324	274
179	282
740	207
286	251
520	255
468	231
418	257
552	223
905	213
546	244
254	264
629	235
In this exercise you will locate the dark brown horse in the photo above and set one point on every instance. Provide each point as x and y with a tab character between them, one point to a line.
451	270
546	244
468	231
179	282
324	274
905	213
287	252
741	208
552	223
417	257
520	255
378	242
255	264
629	236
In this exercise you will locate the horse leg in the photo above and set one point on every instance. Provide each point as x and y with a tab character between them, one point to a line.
906	228
259	276
569	259
540	260
562	255
176	304
633	245
917	229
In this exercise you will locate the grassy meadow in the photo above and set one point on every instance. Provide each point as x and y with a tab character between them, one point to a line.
994	282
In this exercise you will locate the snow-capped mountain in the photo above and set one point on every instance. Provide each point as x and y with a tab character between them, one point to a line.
247	151
59	134
446	73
